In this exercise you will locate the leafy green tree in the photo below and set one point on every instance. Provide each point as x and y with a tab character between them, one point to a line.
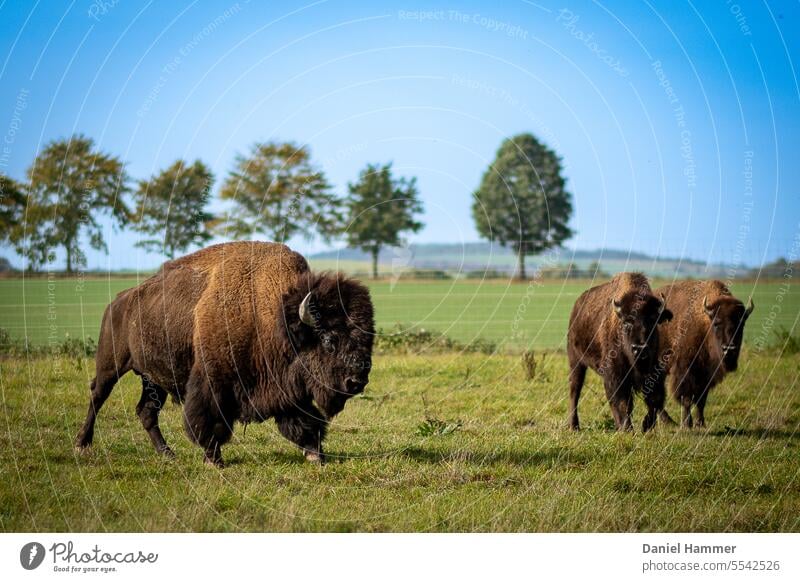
71	183
521	202
278	191
380	208
12	209
171	208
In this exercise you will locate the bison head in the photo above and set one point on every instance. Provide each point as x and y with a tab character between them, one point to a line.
639	314
328	321
728	316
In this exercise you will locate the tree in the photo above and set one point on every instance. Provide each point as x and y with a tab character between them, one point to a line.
70	184
521	201
12	209
171	208
380	208
278	192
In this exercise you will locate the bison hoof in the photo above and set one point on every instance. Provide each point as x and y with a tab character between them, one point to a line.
314	457
167	453
216	463
83	449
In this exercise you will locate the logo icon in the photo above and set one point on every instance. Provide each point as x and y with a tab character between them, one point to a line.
31	555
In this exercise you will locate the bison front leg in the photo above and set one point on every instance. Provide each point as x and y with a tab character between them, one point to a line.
305	426
208	418
654	395
150	404
620	398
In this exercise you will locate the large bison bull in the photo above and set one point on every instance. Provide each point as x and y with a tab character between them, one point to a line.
238	331
613	329
701	345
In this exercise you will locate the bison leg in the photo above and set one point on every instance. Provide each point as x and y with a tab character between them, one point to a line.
665	418
305	426
207	417
686	404
654	399
150	404
101	387
577	376
620	398
701	409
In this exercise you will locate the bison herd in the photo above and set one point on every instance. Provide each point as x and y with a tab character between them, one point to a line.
245	331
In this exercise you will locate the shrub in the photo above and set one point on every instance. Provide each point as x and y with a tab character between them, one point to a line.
407	339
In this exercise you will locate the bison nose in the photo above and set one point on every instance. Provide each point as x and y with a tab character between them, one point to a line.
354	386
639	349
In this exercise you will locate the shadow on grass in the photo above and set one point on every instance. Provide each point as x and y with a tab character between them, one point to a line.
759	433
550	457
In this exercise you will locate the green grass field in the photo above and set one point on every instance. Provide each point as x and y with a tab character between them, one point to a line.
446	442
514	315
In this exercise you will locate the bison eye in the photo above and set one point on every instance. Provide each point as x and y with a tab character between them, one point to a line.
327	344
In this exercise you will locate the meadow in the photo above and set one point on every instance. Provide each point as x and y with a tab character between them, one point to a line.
447	441
513	315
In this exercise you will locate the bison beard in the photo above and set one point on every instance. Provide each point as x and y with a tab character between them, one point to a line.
238	331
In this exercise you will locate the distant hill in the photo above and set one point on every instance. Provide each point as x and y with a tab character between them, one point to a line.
483	256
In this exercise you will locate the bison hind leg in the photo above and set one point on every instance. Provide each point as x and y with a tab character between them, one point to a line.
101	386
150	404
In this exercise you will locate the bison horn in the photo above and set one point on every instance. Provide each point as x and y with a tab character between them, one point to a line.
750	307
305	311
663	301
617	306
707	307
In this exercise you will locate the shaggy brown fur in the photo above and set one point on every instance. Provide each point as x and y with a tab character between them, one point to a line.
613	329
220	331
701	344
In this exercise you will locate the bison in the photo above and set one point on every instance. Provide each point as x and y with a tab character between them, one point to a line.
613	329
237	331
701	345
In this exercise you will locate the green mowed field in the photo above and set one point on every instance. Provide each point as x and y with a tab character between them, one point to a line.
450	442
513	315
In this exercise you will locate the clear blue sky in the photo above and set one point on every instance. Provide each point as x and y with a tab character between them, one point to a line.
435	87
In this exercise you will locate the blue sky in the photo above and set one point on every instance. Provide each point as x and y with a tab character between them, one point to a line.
678	122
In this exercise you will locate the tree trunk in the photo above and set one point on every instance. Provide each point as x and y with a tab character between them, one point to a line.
521	265
375	251
69	257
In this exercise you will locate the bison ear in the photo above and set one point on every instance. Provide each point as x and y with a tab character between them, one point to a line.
749	309
617	307
707	308
664	314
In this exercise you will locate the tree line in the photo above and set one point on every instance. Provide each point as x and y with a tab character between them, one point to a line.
274	190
